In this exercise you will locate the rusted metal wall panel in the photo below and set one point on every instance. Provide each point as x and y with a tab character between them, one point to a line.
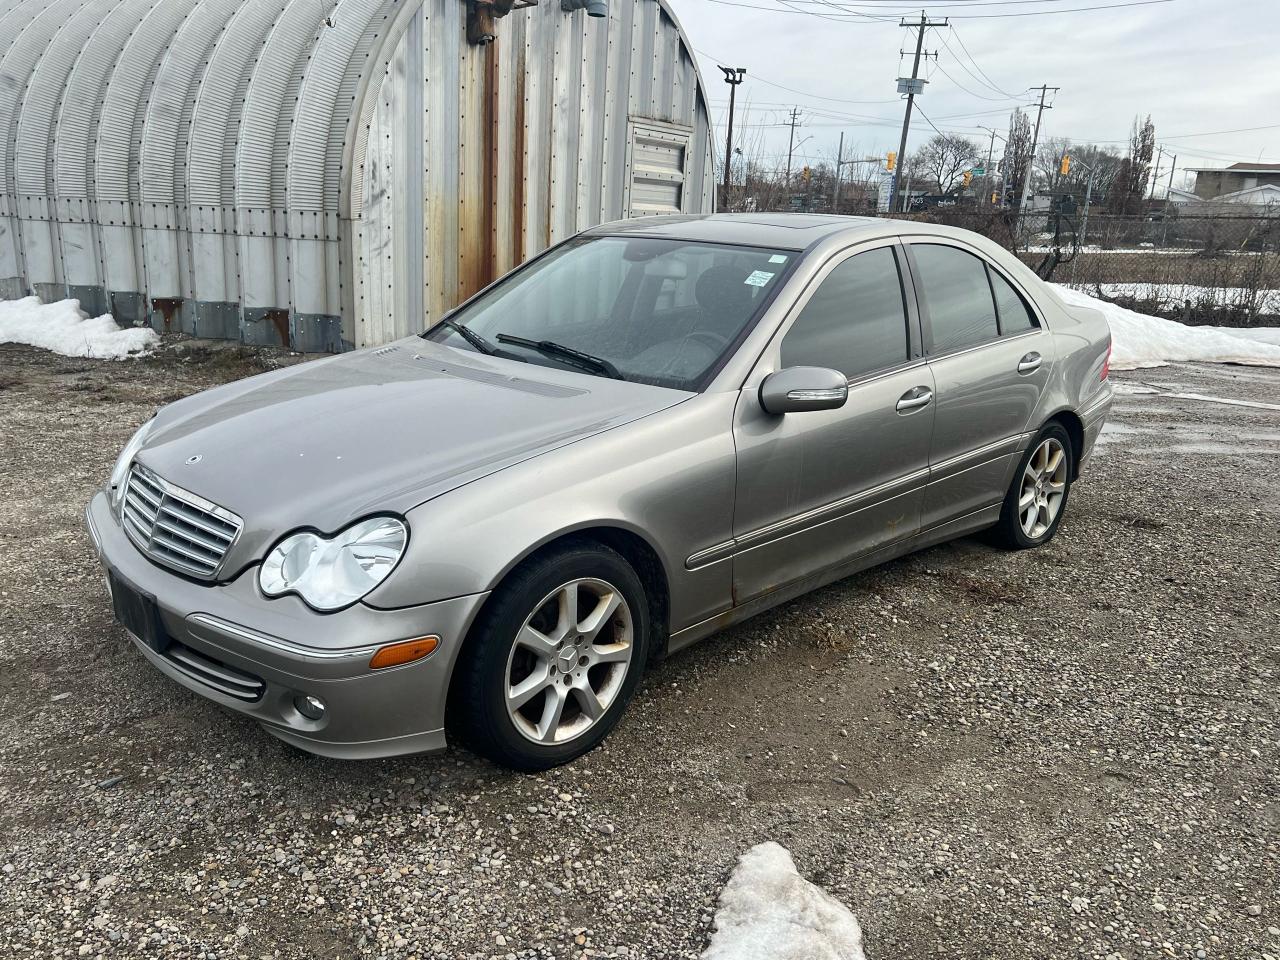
526	142
284	169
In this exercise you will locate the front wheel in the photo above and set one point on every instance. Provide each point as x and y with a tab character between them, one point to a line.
1037	498
554	659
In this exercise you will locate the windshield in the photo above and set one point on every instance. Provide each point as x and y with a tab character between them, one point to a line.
655	311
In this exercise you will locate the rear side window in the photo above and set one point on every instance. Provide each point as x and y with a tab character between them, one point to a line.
855	322
955	290
1015	315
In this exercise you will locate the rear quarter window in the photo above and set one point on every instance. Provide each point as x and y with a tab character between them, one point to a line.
1015	315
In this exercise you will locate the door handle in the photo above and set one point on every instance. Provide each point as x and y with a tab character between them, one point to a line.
914	399
1030	363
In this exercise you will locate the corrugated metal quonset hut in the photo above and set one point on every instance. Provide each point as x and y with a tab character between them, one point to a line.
322	174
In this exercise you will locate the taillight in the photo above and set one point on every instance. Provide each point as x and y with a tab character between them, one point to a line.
1106	364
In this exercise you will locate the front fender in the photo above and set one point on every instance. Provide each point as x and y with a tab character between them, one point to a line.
669	478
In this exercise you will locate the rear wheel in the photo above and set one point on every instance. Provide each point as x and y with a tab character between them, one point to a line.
555	658
1037	498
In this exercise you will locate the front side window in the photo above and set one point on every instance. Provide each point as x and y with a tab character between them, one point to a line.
954	287
855	322
657	311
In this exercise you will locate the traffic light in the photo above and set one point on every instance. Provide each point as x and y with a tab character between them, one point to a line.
806	173
968	177
891	160
1066	165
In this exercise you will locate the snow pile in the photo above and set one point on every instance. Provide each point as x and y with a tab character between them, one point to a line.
1139	340
64	328
769	912
1261	334
1173	295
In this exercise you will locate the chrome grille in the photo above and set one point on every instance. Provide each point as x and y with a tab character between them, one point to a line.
175	527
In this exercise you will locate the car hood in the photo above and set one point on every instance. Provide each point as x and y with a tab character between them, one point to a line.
324	443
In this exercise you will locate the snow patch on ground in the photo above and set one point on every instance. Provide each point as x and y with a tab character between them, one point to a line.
1171	296
769	912
64	328
1139	340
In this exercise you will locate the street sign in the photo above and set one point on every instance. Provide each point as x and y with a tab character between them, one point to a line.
884	192
979	171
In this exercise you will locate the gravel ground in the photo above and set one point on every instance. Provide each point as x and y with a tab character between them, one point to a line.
1066	752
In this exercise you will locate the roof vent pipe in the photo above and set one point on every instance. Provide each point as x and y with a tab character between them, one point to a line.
594	8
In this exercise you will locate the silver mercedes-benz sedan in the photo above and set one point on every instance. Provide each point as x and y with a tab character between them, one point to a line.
652	431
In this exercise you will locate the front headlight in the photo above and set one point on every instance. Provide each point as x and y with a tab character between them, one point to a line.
333	573
120	472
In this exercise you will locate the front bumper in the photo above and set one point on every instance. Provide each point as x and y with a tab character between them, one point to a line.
238	634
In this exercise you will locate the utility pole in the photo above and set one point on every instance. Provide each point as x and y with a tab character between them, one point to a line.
991	155
732	76
1035	142
1084	217
911	87
791	144
1155	174
1168	193
835	200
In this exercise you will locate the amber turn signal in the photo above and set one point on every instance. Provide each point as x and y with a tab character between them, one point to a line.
406	651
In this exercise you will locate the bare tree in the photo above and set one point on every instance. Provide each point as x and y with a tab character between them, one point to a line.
1048	164
1130	183
1017	153
945	158
1087	158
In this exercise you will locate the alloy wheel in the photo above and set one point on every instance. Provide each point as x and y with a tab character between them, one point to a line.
1044	485
569	661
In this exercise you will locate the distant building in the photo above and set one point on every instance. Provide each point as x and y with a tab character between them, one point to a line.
1213	183
1262	195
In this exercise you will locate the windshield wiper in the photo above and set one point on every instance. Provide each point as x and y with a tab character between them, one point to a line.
558	350
473	338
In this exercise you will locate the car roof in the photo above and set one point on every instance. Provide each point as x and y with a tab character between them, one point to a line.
788	231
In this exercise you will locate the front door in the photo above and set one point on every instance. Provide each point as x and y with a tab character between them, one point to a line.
818	488
990	358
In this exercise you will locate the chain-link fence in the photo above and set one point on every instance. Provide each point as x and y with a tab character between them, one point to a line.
1201	263
1216	269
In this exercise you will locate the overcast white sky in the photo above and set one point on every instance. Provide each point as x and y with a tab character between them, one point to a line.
1197	66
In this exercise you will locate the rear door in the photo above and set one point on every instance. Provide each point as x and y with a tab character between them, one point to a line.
990	357
821	487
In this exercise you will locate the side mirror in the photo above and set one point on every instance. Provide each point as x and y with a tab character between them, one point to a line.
797	389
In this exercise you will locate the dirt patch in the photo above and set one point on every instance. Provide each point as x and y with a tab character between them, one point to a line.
1068	751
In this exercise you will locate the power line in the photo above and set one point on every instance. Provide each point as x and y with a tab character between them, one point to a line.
961	4
930	122
850	15
977	96
804	93
990	83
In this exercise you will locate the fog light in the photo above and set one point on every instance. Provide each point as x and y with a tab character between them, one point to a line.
310	707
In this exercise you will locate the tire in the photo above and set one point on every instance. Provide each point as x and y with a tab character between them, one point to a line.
524	641
1014	530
